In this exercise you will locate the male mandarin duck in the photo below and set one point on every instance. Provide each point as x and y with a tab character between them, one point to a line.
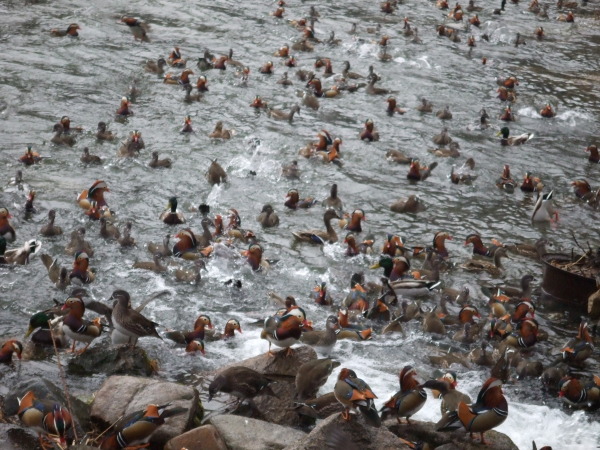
417	172
219	132
283	331
544	211
475	21
479	248
183	79
489	411
70	31
138	28
187	246
530	184
30	157
254	257
318	236
325	140
547	111
517	140
569	17
75	327
124	110
231	326
323	340
8	348
506	95
103	134
170	216
321	296
6	229
201	84
393	245
293	200
594	155
369	133
471	41
128	321
355	249
174	59
392	107
509	82
240	382
526	337
580	348
278	13
48	419
507	115
524	310
354	224
583	190
94	193
439	243
220	62
81	273
574	392
386	7
135	430
539	33
267	68
353	393
267	217
410	399
187	125
311	376
495	269
193	340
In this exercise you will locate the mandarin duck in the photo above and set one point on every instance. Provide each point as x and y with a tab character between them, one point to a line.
254	257
529	184
320	237
81	273
267	217
320	407
156	265
8	348
443	138
57	274
6	229
311	376
231	326
278	114
284	331
392	107
49	419
138	28
108	230
479	248
489	411
129	322
547	111
215	173
240	382
103	134
416	172
94	193
193	340
355	249
75	327
409	399
369	133
219	132
163	249
88	158
132	146
526	338
70	31
61	137
321	296
575	393
353	393
495	269
580	348
157	66
594	154
136	429
354	224
124	110
78	243
451	397
30	157
21	255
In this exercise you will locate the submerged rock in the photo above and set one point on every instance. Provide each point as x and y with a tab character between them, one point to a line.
112	361
242	433
122	395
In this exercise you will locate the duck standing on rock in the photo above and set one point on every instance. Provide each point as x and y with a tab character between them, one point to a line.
241	382
283	331
409	399
75	328
312	375
353	393
128	321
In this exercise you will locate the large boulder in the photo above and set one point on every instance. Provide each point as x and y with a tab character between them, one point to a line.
18	438
117	360
280	364
122	395
205	437
242	433
335	432
425	432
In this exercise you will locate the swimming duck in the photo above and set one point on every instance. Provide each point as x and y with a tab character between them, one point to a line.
544	211
94	193
219	132
157	66
48	419
518	140
78	243
70	31
108	230
463	174
282	115
392	108
594	155
372	90
284	81
580	348
192	275
317	236
124	110
183	79
354	249
103	134
75	328
174	59
20	256
346	73
574	392
163	249
506	95
291	171
254	257
61	137
6	229
128	321
479	248
369	133
583	190
8	348
215	173
81	273
443	138
325	140
505	181
156	163
283	331
241	382
170	216
444	114
410	204
354	225
135	429
187	246
495	269
507	115
409	399
138	28
417	172
267	217
126	240
353	393
529	183
312	375
475	21
132	146
231	326
569	17
323	340
292	200
547	111
30	157
333	201
49	229
88	158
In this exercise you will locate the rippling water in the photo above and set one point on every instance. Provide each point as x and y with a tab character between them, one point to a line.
44	78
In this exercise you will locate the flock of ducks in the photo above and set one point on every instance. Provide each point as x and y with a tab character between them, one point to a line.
369	308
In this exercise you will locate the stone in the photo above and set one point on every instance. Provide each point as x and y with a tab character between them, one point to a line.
117	360
335	432
205	437
594	305
425	432
243	433
122	395
18	438
280	365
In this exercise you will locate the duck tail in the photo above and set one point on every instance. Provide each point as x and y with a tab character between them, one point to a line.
370	413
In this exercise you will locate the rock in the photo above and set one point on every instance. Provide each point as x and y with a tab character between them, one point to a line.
350	435
280	365
46	390
122	395
594	305
112	361
459	439
242	433
205	437
18	438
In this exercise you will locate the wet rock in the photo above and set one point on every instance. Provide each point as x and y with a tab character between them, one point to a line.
18	438
46	390
205	437
242	433
348	435
112	361
594	305
459	439
122	395
279	364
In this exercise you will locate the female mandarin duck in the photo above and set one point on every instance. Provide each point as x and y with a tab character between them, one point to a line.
88	158
495	269
574	392
489	411
410	204
267	217
369	133
8	348
443	138
6	229
61	137
293	200
355	249
19	255
70	31
240	382
103	134
410	399
75	327
353	393
311	376
94	193
135	430
283	331
128	321
45	418
170	216
417	172
451	397
320	237
322	340
156	163
124	110
594	155
157	66
580	348
30	157
479	248
81	273
138	28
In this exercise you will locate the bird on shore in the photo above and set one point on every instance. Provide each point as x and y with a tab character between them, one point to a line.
130	322
355	394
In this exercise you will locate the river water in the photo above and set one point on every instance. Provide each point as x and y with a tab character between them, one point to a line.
44	78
